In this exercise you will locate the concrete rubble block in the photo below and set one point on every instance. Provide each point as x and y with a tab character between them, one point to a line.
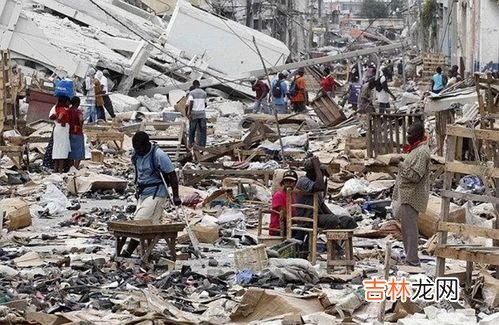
152	104
229	108
442	318
124	103
490	320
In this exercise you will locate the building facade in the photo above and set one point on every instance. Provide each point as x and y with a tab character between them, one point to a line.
469	34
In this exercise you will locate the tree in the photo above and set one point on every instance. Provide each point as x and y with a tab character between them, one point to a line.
374	9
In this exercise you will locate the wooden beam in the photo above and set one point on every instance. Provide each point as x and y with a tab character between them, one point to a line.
479	134
468	169
474	231
470	197
445	206
467	254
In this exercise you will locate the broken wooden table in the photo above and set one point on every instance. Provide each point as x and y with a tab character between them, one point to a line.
15	154
147	234
102	134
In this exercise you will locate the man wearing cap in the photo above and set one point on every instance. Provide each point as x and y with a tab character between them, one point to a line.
313	182
279	201
299	93
107	86
261	89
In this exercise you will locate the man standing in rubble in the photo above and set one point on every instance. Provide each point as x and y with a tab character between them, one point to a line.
153	172
261	90
365	102
107	86
383	91
196	113
279	93
89	92
412	189
298	91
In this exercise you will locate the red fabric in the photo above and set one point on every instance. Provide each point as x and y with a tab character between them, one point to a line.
327	83
410	147
279	201
75	121
261	89
61	115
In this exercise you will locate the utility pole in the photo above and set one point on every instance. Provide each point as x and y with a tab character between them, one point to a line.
249	13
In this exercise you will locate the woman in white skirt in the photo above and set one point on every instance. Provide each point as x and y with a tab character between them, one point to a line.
62	145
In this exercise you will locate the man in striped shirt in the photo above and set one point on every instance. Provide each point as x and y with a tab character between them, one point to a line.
196	112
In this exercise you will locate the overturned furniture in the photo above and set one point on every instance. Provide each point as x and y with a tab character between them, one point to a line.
147	234
482	138
327	110
102	134
387	133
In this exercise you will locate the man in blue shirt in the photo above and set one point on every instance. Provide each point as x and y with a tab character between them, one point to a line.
152	166
438	81
279	93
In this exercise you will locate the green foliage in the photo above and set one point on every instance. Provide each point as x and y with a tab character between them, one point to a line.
427	11
374	9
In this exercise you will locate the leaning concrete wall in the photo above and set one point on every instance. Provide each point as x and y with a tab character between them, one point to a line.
488	34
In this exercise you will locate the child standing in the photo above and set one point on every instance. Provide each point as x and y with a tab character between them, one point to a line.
76	138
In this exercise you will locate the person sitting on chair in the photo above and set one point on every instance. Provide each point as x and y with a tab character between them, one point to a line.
279	201
313	182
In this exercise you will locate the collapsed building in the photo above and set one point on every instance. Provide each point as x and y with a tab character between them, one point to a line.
213	260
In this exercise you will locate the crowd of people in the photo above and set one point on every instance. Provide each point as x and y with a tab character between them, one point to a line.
286	93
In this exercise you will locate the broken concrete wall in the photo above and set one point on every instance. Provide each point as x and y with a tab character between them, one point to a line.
199	33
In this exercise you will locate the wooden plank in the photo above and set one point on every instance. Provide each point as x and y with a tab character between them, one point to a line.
470	197
391	137
397	136
404	131
302	206
468	255
468	169
398	115
369	145
486	80
469	230
143	227
384	135
445	207
479	134
302	219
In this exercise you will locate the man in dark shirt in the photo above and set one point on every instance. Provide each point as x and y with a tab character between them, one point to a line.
261	91
313	182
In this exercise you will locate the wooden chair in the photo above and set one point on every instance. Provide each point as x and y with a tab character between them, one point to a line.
297	223
270	240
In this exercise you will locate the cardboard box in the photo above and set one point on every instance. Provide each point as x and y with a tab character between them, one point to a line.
16	214
428	221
